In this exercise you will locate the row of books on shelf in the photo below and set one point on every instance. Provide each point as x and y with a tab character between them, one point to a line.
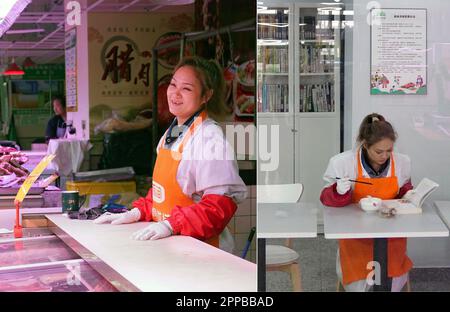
310	30
313	98
273	26
273	98
317	97
316	59
274	59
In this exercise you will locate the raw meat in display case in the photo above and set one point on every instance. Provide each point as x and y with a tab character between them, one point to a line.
38	250
46	264
76	277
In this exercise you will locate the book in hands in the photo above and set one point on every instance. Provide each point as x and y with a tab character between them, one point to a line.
412	201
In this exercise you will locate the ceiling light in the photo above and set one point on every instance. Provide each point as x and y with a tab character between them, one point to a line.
9	11
28	62
13	70
24	31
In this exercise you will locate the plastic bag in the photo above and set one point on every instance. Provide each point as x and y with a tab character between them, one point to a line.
226	241
118	124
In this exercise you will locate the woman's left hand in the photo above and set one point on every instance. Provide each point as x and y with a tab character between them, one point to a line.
156	230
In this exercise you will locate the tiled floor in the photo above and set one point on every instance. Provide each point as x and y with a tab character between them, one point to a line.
318	265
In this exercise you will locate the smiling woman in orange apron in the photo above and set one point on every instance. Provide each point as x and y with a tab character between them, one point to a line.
390	176
195	182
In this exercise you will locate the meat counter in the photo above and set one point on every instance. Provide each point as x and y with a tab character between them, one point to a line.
77	255
45	263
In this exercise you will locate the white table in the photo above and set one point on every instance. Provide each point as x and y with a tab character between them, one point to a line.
287	220
176	263
443	208
352	222
69	154
282	220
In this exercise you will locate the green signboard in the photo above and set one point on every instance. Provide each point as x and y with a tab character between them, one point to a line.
44	72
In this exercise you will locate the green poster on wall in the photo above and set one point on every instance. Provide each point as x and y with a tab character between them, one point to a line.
45	72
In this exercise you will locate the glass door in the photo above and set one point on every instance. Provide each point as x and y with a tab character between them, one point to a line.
273	58
318	69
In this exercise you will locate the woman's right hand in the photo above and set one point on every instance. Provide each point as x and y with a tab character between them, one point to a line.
119	218
343	186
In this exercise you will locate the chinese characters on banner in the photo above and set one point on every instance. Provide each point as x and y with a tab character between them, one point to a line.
398	53
124	65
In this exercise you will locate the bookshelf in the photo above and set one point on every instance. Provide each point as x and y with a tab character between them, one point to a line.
273	60
298	89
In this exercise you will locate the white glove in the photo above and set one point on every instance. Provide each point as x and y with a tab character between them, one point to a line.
409	195
343	186
155	230
119	218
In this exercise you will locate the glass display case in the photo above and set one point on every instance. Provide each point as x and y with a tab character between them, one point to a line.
46	264
34	250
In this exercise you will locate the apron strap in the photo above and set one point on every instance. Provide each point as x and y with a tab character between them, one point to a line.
392	165
161	143
358	160
198	120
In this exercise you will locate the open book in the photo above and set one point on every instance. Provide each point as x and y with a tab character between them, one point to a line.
412	203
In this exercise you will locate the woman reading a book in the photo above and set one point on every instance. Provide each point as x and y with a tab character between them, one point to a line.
389	174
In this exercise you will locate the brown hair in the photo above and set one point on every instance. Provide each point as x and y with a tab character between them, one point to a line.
209	73
373	129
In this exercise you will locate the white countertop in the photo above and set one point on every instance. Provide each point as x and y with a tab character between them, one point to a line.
286	220
34	153
443	208
176	263
353	222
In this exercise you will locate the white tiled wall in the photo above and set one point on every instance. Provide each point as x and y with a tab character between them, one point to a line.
240	225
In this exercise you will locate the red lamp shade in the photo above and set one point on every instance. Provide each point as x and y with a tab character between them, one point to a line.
28	62
13	70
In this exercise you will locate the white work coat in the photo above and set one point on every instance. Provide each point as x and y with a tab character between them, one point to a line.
344	165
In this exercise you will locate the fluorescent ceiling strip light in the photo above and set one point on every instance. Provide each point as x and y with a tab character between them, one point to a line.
269	11
9	11
329	9
24	31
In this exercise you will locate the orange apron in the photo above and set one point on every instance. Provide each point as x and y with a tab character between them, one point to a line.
167	193
355	254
